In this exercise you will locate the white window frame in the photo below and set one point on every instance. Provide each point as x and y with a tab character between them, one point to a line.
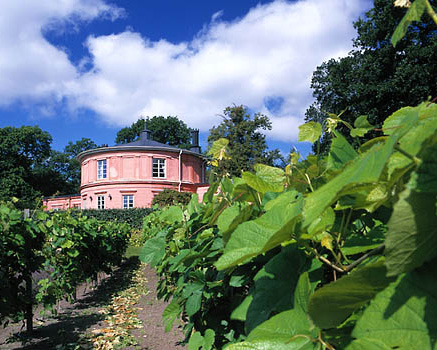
128	201
101	202
102	169
159	168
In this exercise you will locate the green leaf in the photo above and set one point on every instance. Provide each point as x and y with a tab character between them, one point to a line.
403	315
218	151
170	313
365	169
275	284
310	131
289	330
154	250
196	341
368	344
362	126
255	237
424	179
208	339
359	243
413	14
412	232
340	153
323	223
172	214
193	303
231	217
266	179
240	312
330	305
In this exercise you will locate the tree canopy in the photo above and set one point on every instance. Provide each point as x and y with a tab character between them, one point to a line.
376	79
169	130
22	150
247	145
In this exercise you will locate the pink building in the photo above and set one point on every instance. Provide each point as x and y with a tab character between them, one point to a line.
130	175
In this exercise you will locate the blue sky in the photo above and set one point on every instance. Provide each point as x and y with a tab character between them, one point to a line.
86	68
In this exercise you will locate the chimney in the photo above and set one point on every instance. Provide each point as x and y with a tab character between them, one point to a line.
195	141
145	134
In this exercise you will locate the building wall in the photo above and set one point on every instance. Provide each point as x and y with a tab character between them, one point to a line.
62	203
130	173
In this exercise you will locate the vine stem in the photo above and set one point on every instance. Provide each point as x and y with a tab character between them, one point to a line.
375	251
431	12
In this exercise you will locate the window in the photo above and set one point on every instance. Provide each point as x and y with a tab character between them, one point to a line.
100	202
101	169
158	168
128	201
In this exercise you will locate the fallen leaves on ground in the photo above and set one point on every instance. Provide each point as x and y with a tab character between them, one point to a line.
121	316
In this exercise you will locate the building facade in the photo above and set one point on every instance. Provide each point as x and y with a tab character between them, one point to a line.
130	175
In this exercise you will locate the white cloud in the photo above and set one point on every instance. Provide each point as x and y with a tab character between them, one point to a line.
269	54
30	67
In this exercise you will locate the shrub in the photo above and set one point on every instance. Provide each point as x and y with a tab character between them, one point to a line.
171	197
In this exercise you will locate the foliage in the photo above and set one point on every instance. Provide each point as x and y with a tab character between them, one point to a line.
22	150
60	173
168	130
334	252
171	197
68	249
132	216
247	145
376	79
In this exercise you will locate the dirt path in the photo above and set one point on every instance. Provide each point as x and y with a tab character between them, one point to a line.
78	325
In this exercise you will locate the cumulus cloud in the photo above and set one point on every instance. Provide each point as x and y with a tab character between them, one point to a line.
30	67
263	60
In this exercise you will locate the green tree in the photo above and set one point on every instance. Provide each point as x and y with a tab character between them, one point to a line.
376	79
169	130
22	150
247	145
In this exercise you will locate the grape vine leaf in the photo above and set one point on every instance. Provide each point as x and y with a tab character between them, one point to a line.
266	178
340	152
330	305
365	169
310	131
255	237
362	126
275	284
289	330
413	14
412	232
403	315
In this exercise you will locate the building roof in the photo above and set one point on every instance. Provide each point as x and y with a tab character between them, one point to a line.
144	143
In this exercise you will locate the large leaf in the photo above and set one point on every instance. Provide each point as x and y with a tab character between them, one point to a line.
413	14
289	330
340	152
424	179
330	305
362	126
266	179
153	250
275	284
310	131
365	169
172	214
416	138
403	315
255	237
412	232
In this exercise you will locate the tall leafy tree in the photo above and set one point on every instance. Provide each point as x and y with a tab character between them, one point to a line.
247	144
64	169
169	130
22	150
376	79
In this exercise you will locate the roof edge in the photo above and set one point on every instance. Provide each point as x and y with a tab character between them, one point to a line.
83	154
